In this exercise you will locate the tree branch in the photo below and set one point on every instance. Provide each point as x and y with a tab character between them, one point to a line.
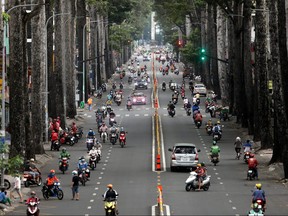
34	12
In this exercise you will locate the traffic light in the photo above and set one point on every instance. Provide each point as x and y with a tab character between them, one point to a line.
202	54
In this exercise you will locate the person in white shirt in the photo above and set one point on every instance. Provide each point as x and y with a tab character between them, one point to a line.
17	187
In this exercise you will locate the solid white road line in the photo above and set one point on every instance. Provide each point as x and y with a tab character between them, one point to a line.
162	146
167	210
153	146
153	210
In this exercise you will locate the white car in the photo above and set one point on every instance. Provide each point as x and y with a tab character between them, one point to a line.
201	89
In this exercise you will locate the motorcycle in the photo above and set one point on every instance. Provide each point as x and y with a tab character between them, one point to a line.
198	101
192	182
89	143
215	159
66	138
7	183
56	191
103	87
163	88
174	101
55	145
118	101
176	71
79	133
246	156
129	80
112	121
108	108
122	139
129	106
198	124
171	112
182	95
114	86
83	176
93	161
121	86
216	136
63	165
29	180
209	130
104	136
110	207
32	208
113	138
188	112
250	174
211	110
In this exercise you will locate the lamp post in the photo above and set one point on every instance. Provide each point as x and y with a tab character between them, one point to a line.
3	123
46	73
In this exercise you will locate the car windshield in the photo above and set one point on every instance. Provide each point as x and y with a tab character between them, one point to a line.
199	86
184	150
138	95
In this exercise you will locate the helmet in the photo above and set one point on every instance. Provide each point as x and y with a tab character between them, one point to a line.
32	160
64	150
199	165
258	185
52	171
82	159
93	147
202	164
33	193
90	130
252	155
175	92
248	141
74	172
58	117
214	142
73	123
218	122
238	139
110	186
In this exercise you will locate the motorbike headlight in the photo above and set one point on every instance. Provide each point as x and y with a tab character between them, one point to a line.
145	83
87	170
134	100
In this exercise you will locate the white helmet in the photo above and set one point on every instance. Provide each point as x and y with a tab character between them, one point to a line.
74	172
238	139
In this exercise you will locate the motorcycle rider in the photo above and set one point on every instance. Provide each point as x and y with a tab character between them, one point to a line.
110	193
114	130
74	128
32	198
170	106
252	165
112	114
103	128
214	150
247	146
51	179
83	165
198	116
195	107
255	210
200	175
163	84
64	154
54	137
238	145
185	101
122	131
91	134
259	194
216	130
33	170
95	151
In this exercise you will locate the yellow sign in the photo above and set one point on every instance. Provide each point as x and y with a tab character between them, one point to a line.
270	85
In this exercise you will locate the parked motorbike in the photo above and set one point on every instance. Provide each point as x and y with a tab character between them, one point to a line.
93	161
63	165
211	110
7	183
29	180
56	191
192	182
55	145
32	208
66	138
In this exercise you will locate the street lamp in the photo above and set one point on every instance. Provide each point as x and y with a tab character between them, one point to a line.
46	73
3	123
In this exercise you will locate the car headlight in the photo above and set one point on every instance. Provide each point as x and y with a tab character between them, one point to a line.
135	84
143	99
134	99
145	83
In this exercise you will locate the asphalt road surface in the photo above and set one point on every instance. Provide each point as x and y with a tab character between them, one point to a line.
129	169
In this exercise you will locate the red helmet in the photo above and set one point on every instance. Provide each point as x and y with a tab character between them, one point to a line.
58	117
73	123
252	155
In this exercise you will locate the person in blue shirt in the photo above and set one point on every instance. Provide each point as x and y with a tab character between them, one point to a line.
3	198
259	194
82	164
195	107
91	133
247	146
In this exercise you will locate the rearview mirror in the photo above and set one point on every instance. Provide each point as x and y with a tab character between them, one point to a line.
170	149
198	150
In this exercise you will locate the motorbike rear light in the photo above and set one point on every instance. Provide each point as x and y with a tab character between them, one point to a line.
173	157
197	158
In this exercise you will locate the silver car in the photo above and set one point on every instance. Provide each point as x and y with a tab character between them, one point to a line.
183	155
201	89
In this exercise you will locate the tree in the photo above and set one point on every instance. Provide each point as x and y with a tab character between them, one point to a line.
38	86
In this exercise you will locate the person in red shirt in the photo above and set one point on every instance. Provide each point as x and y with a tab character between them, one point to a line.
54	137
33	198
198	117
58	120
74	128
200	174
56	125
252	165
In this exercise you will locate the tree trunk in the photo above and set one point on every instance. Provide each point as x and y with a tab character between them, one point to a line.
38	69
247	67
59	59
16	82
261	71
70	78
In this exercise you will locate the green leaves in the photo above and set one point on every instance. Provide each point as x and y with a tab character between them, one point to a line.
5	16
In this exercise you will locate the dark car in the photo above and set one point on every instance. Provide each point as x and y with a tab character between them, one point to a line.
141	84
138	98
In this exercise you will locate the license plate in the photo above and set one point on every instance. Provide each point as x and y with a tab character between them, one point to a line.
216	136
247	156
184	159
250	171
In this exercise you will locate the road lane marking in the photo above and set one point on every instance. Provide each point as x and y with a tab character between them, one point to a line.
230	201
121	109
147	108
153	145
96	188
86	215
89	116
107	157
89	207
162	145
104	164
167	209
234	208
117	115
221	182
100	177
216	173
103	168
136	114
126	115
98	183
146	114
92	200
218	178
94	194
214	169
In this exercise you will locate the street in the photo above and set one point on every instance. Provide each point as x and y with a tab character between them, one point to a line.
130	169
